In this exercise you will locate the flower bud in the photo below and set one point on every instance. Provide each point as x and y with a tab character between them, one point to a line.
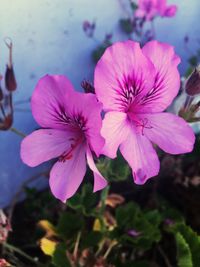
192	85
1	94
6	123
1	91
10	80
6	120
88	87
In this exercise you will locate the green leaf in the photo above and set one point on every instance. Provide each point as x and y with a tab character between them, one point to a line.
69	225
85	202
134	6
92	239
126	25
192	239
98	52
184	256
146	224
193	61
60	257
115	170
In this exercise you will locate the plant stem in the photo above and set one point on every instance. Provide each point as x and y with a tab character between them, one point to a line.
162	253
109	250
14	130
75	252
19	251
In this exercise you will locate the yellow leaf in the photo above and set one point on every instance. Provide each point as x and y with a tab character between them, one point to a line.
97	225
48	228
48	246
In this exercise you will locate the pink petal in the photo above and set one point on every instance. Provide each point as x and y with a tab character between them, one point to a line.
170	132
90	109
170	11
122	67
66	177
114	131
50	95
141	156
99	181
167	82
43	145
161	6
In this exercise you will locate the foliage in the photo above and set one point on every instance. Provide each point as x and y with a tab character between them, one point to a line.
96	229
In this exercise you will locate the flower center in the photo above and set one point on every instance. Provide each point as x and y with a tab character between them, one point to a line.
67	155
139	123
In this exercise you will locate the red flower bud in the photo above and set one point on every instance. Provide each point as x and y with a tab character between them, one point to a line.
10	80
192	85
1	94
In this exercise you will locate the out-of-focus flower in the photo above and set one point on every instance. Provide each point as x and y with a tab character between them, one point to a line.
4	263
146	9
149	9
170	11
89	28
192	86
169	222
72	123
135	86
10	80
133	233
5	227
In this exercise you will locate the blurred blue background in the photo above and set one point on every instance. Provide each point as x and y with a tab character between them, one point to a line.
48	38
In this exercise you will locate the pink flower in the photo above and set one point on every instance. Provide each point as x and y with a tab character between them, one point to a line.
72	123
164	10
135	86
149	9
146	9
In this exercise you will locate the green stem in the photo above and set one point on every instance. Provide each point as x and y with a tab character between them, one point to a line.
19	251
14	130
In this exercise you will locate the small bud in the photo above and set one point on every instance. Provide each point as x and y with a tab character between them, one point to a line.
6	108
1	91
89	28
1	94
6	123
192	85
88	87
10	80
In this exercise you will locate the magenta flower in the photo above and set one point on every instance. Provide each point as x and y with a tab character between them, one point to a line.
164	10
148	9
135	86
72	123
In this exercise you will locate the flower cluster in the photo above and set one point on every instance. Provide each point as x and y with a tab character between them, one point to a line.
149	9
133	86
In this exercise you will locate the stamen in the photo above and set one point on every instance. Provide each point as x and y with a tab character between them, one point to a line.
140	122
67	155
